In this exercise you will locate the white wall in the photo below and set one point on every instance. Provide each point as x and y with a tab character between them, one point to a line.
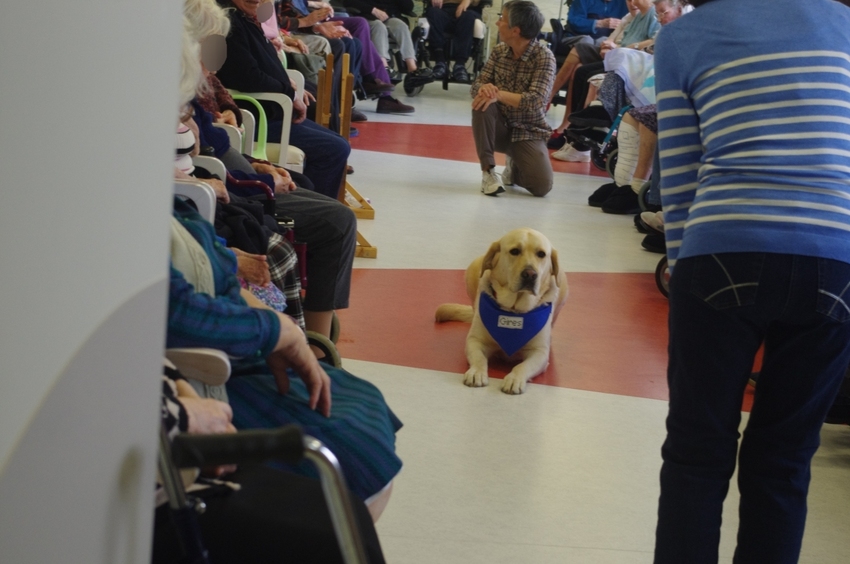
88	95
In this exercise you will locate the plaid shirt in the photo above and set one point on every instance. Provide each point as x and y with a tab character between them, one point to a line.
531	76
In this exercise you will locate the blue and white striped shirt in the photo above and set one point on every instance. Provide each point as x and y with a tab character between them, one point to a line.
754	129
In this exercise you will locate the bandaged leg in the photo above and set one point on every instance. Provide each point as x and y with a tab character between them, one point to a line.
628	147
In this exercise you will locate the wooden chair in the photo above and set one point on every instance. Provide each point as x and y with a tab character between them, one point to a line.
348	195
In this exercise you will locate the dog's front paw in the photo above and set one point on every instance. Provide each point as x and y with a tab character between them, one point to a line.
476	378
513	384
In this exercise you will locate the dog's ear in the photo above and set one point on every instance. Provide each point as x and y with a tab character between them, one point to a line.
491	259
555	266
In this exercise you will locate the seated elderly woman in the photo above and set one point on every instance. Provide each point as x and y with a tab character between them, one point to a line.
252	65
272	515
583	62
386	20
328	227
276	379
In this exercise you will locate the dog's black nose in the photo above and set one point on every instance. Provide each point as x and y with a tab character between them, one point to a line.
529	275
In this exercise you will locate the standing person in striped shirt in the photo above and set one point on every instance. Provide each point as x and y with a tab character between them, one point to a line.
754	139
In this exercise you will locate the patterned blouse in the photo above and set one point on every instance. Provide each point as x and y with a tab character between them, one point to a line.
531	76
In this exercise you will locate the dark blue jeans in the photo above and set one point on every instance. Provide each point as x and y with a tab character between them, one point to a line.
722	308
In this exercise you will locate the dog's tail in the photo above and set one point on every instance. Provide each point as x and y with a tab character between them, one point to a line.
454	312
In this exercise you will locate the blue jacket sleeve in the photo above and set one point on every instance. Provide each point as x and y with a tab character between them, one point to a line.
200	320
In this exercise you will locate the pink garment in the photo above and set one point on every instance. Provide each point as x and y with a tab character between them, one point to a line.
270	29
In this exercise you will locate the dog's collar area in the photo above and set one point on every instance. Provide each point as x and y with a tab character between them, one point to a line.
509	329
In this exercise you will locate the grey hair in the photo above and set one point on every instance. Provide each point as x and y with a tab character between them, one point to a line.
671	3
206	18
191	75
525	15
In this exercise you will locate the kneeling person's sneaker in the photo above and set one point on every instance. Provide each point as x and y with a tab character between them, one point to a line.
490	184
570	154
508	173
389	105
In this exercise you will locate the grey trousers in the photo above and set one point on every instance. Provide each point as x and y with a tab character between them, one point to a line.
531	168
399	31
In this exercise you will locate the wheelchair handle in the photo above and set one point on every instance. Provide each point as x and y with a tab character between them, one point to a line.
285	444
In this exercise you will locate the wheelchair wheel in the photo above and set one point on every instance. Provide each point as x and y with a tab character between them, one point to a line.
662	277
597	157
611	162
644	190
326	347
334	329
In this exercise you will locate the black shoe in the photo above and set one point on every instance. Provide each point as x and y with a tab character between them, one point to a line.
601	195
395	76
440	70
417	78
556	141
377	86
459	74
640	225
654	243
591	116
388	105
622	200
358	116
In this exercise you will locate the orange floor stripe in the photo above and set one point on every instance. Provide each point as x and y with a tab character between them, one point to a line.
450	142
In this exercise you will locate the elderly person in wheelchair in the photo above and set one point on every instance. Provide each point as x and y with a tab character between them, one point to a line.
386	21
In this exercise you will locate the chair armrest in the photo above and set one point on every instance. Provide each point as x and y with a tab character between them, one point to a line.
200	193
210	366
212	165
298	79
286	106
233	134
249	124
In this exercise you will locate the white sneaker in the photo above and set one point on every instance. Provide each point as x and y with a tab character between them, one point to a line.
507	174
655	220
490	184
571	155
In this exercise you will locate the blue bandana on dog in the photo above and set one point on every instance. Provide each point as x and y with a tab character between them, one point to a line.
511	330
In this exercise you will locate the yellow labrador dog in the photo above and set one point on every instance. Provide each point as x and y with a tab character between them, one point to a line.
517	291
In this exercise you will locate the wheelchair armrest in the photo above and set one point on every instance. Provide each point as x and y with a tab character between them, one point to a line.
258	445
200	193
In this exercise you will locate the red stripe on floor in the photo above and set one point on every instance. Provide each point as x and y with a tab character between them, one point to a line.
610	337
450	142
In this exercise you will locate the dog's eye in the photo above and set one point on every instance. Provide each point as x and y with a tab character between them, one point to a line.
515	252
541	254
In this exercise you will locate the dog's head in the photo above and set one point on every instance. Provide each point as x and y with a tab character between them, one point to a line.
523	260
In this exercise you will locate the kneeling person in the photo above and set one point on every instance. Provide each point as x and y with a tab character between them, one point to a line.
509	104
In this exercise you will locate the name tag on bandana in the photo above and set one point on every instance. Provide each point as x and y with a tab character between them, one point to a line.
511	331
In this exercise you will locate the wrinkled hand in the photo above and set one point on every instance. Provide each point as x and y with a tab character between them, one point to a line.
208	416
332	30
487	95
315	17
299	110
282	180
608	23
252	268
278	44
221	193
293	352
380	14
461	8
226	117
296	43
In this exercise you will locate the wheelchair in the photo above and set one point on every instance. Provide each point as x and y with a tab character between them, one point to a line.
478	54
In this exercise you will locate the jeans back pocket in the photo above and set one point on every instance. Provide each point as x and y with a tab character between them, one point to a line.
727	280
834	289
